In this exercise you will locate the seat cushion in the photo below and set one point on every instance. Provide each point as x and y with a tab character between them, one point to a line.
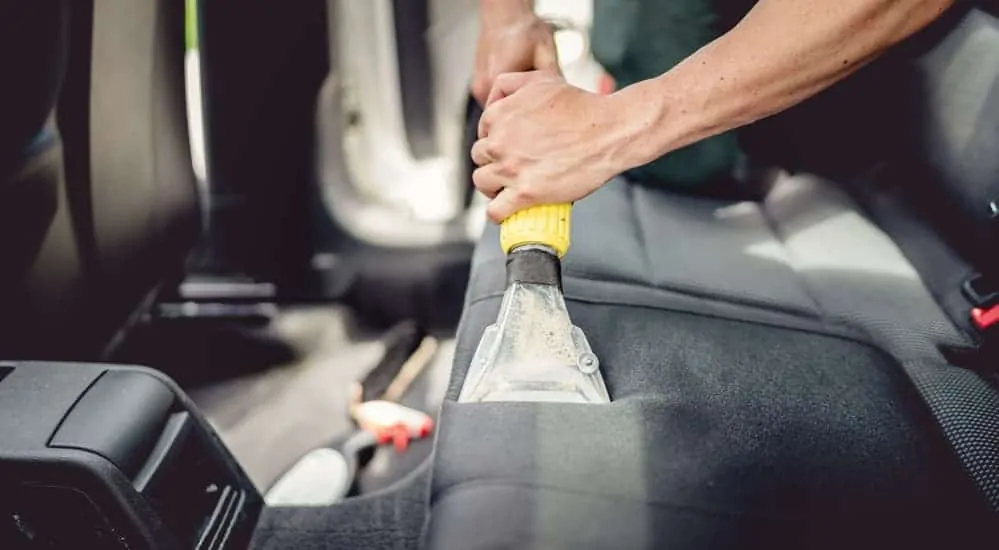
721	433
759	358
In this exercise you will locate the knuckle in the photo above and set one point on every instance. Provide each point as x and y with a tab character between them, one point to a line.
492	210
493	151
526	194
493	114
509	168
478	178
477	149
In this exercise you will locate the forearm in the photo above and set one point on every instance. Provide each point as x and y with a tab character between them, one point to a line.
496	11
783	52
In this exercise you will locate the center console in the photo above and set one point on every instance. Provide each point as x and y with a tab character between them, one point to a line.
110	457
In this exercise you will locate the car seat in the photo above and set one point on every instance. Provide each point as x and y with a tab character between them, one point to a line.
792	372
98	200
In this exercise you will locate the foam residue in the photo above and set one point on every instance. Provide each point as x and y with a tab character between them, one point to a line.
536	352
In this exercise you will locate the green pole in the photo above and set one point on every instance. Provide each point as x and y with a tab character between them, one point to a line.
191	24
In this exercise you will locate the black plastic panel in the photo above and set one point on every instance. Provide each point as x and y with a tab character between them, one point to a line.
189	488
33	402
131	464
28	521
120	417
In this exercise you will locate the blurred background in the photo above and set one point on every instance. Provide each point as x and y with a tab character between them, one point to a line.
330	140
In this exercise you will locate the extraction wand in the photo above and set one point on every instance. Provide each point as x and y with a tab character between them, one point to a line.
533	352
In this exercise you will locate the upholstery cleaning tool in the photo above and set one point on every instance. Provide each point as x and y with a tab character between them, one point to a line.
324	476
533	352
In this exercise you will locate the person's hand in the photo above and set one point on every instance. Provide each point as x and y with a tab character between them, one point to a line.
512	38
543	141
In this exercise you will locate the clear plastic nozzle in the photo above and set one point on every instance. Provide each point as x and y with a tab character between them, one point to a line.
533	352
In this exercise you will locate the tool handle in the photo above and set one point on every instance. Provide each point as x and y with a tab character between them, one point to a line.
546	225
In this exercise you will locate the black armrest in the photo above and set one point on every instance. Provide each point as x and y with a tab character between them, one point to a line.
101	456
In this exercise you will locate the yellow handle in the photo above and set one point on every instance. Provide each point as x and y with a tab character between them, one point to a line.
546	225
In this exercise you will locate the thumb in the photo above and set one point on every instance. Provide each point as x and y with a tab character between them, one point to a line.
508	83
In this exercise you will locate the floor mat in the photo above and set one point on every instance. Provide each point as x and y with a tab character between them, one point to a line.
271	418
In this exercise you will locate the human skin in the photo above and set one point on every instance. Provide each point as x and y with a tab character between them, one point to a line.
511	39
543	141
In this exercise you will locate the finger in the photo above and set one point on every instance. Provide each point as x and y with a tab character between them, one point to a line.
508	83
546	56
485	122
505	204
482	153
488	180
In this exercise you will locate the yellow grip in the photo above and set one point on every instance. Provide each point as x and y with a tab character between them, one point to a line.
545	225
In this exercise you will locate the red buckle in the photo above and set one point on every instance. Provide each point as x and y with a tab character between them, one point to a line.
984	318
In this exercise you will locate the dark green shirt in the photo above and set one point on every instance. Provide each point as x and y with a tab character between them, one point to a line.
640	39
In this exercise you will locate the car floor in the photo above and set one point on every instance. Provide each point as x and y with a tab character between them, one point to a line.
271	418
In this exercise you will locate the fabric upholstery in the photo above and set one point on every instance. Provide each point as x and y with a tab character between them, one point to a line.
799	426
775	367
951	133
807	252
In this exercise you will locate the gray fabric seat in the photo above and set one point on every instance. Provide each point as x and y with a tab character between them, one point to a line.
776	374
754	408
805	256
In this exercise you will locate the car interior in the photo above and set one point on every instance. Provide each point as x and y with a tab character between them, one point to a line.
228	227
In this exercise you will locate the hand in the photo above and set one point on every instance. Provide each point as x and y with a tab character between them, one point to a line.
543	141
512	38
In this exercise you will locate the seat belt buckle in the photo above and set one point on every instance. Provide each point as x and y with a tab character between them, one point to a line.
984	318
983	295
981	291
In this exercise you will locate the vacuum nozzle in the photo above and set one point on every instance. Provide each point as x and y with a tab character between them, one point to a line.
533	352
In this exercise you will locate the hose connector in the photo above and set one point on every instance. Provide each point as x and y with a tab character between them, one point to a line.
546	225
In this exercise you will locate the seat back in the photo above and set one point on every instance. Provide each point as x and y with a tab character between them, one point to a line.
951	135
101	213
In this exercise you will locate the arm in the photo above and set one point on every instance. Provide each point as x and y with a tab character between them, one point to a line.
511	38
782	53
543	141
